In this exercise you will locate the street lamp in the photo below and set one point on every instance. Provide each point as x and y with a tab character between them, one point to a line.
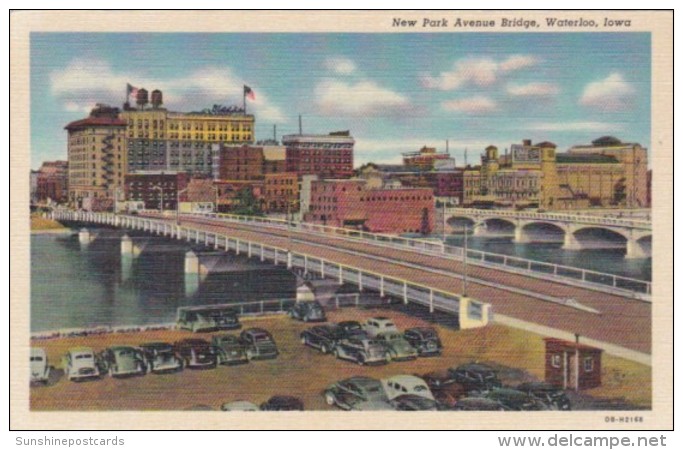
161	196
464	256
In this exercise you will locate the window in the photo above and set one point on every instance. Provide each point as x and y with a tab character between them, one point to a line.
556	360
588	364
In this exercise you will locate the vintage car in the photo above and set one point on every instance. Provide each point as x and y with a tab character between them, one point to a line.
310	311
258	344
554	398
477	404
229	349
449	395
425	339
239	405
406	384
412	402
514	400
475	378
438	379
160	357
207	318
323	337
121	361
40	369
357	393
282	403
398	348
377	325
362	351
80	363
196	353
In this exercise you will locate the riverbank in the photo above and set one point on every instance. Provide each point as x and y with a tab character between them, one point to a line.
42	225
303	372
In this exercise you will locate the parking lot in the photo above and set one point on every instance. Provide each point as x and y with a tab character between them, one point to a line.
304	372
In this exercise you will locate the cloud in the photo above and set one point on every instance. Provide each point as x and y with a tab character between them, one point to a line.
613	93
82	84
479	72
355	99
575	126
340	66
478	104
533	90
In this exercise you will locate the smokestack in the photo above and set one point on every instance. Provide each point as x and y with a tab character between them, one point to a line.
275	132
300	128
446	145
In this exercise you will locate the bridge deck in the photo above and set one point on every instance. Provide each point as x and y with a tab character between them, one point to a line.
624	322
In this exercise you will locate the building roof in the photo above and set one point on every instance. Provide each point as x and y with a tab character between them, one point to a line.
607	141
569	345
95	122
585	158
546	144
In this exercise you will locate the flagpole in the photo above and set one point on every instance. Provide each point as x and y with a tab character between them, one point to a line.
244	100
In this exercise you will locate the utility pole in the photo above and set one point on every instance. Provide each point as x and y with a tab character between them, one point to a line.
300	127
464	264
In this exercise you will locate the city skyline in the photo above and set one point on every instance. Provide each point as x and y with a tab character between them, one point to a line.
394	92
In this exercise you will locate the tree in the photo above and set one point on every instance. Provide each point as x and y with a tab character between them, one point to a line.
247	203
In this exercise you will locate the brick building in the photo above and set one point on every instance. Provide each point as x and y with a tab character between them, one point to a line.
158	190
281	192
351	203
427	158
572	365
244	163
328	156
52	180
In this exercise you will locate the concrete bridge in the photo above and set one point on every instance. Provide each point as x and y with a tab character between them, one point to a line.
574	231
618	323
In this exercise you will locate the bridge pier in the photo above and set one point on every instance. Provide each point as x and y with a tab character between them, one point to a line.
570	241
634	249
85	237
128	247
192	270
520	236
473	314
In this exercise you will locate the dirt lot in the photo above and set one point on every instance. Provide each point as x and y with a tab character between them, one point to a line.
304	372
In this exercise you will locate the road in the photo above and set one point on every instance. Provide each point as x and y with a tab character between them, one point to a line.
622	321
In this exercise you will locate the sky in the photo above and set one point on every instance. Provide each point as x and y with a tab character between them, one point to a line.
395	92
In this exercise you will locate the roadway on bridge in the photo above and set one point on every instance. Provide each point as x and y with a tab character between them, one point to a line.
622	321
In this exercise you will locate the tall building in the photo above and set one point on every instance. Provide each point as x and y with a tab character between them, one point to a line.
244	163
97	156
281	192
52	181
328	156
158	139
158	190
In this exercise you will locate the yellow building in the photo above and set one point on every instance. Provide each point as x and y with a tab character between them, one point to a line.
97	156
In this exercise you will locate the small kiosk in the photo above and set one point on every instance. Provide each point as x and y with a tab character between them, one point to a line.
572	365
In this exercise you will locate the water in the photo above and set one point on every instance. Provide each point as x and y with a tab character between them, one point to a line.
74	287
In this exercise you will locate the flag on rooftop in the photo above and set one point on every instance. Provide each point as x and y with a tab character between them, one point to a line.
132	90
249	93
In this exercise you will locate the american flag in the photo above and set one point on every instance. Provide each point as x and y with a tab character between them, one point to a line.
132	90
249	93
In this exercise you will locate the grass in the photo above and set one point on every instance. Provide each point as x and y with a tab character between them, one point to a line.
41	223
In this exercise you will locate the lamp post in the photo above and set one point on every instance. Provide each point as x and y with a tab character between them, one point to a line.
161	198
177	205
464	258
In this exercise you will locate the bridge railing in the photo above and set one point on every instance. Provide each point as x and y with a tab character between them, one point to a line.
563	217
556	272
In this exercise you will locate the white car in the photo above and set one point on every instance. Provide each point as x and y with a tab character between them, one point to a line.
399	385
240	405
379	325
40	370
80	363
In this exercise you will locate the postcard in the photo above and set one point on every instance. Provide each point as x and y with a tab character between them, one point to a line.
341	220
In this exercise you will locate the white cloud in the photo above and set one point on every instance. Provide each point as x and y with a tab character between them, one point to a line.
480	72
357	98
82	83
533	90
478	104
340	66
613	93
575	126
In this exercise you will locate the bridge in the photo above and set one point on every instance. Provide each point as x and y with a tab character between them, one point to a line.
616	321
574	231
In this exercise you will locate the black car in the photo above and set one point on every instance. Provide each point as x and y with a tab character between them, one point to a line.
196	353
425	339
412	402
514	400
161	357
323	337
351	328
475	378
229	349
310	311
477	404
553	397
258	344
282	403
438	379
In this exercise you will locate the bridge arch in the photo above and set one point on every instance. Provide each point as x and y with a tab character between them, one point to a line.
457	224
595	237
496	226
539	232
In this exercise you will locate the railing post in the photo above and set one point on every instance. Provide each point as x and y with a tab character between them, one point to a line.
305	264
237	246
405	292
227	243
360	280
381	286
215	241
322	268
249	249
275	254
431	300
341	274
263	255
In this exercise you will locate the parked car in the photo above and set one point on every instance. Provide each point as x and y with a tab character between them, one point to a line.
362	351
80	363
309	311
229	349
122	361
378	325
397	346
476	378
477	404
323	337
40	369
258	344
207	318
554	398
351	328
425	339
357	393
438	379
282	403
239	405
406	384
196	353
514	400
160	357
412	402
